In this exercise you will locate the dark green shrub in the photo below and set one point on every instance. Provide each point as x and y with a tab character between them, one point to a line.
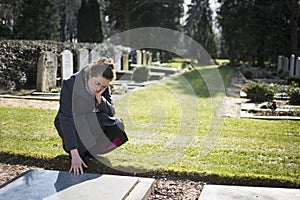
292	79
141	74
294	94
259	92
247	72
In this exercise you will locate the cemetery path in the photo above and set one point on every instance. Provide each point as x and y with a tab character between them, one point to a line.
232	102
29	103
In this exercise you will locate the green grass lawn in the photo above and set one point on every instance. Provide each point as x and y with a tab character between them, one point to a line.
173	126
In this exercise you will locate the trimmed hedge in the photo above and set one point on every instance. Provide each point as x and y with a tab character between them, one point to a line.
19	59
259	92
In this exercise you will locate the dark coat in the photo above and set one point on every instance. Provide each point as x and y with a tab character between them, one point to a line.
77	123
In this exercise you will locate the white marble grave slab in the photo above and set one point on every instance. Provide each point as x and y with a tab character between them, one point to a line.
52	185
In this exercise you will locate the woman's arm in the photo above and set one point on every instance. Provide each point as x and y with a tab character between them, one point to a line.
105	104
66	116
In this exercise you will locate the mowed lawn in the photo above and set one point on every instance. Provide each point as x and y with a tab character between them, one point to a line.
175	126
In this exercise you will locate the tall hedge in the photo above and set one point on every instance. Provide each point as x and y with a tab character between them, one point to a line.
19	59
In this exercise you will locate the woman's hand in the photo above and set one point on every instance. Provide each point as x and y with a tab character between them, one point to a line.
99	94
76	162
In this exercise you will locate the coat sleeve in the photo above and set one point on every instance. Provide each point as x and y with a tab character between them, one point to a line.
66	116
106	104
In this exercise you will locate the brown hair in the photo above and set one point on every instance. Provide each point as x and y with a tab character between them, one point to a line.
103	66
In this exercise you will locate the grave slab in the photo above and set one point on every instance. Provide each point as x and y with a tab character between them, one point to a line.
54	185
225	192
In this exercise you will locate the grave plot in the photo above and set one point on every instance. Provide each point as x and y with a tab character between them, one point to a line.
48	184
270	101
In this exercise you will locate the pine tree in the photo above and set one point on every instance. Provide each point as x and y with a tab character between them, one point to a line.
89	22
257	31
124	15
199	26
39	20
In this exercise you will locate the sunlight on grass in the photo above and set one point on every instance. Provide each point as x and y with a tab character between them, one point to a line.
169	125
29	131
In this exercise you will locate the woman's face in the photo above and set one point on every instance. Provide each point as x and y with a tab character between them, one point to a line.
98	84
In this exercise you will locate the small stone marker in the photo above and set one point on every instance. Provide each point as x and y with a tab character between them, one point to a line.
292	65
117	58
149	60
144	61
46	72
83	58
67	64
138	57
157	56
298	68
125	62
54	185
280	64
94	55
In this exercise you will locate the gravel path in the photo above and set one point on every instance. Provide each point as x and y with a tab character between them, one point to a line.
171	189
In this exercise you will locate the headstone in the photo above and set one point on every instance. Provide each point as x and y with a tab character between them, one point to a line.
149	56
144	61
94	55
54	185
83	58
298	67
46	72
292	65
125	62
138	57
285	65
117	58
157	56
67	64
280	64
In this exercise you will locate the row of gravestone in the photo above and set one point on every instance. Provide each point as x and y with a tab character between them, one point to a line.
47	63
145	57
288	67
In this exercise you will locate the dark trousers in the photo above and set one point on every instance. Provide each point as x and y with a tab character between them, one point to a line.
116	137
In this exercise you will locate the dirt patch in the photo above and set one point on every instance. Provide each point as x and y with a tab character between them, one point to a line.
29	103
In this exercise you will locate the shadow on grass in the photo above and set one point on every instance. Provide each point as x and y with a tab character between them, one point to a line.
203	82
62	163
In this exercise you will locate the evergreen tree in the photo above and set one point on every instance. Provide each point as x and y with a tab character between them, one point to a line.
199	25
257	31
89	25
124	15
130	14
39	20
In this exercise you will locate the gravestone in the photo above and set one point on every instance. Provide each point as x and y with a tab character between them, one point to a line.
144	61
279	65
46	72
125	63
94	55
54	185
149	60
117	58
298	67
138	57
83	58
157	56
285	66
67	64
292	65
